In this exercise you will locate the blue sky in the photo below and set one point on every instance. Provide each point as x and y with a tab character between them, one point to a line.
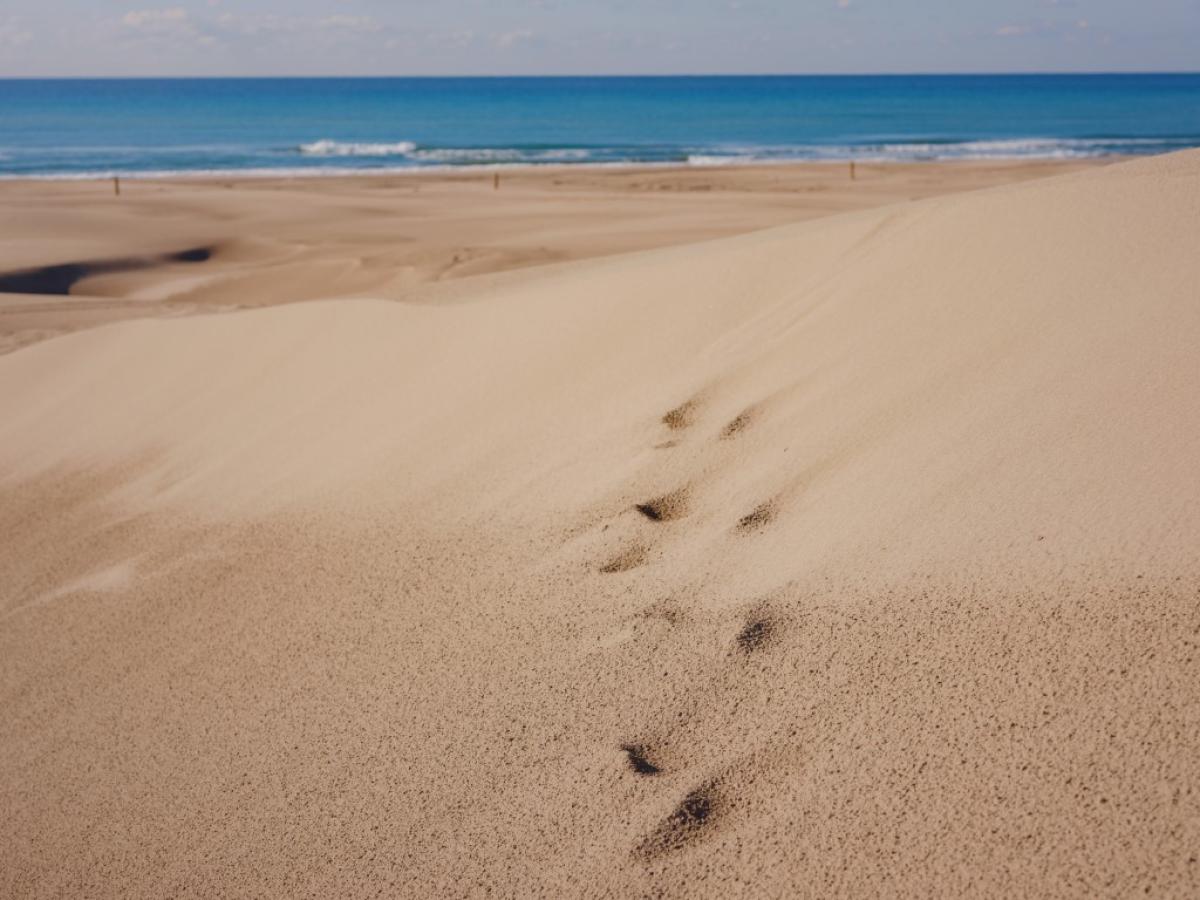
471	37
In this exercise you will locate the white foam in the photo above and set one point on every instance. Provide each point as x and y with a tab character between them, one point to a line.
703	159
407	158
469	155
328	147
450	155
900	151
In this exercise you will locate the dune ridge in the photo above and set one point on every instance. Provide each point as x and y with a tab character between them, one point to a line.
856	556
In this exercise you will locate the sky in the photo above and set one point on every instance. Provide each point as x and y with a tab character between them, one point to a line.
539	37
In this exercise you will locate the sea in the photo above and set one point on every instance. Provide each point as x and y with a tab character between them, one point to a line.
338	126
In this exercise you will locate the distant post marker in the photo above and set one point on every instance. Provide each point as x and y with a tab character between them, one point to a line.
853	174
495	181
116	186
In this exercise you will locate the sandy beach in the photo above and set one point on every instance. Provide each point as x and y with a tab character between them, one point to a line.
279	241
616	533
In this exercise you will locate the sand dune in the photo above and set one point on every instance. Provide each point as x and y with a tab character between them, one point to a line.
280	241
856	557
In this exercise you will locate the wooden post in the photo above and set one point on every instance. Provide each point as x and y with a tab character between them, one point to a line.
853	175
116	186
495	181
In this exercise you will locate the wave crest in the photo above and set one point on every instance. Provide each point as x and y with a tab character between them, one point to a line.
338	148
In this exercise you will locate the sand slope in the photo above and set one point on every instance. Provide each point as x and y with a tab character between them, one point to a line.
275	241
856	556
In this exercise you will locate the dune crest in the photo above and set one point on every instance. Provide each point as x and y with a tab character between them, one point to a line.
856	555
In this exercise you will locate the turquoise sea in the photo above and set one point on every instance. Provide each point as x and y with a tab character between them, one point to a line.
84	128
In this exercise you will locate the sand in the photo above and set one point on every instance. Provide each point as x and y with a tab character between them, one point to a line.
851	557
265	242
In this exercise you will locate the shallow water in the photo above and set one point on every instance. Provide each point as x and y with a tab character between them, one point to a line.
316	126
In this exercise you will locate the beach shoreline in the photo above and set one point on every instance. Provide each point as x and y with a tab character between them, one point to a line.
486	171
469	172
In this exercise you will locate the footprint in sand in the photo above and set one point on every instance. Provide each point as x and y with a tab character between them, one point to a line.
639	759
682	416
755	634
758	518
743	421
628	559
667	507
693	817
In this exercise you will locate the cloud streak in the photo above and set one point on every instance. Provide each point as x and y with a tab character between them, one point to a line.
371	37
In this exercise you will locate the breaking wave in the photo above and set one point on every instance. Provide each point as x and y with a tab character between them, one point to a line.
337	148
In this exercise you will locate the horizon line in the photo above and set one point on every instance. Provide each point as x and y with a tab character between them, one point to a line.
614	75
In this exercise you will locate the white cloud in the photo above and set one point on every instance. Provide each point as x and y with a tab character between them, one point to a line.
449	39
270	23
255	24
170	26
12	35
514	38
155	18
350	23
1068	31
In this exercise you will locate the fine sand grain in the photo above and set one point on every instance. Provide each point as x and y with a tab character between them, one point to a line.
852	557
